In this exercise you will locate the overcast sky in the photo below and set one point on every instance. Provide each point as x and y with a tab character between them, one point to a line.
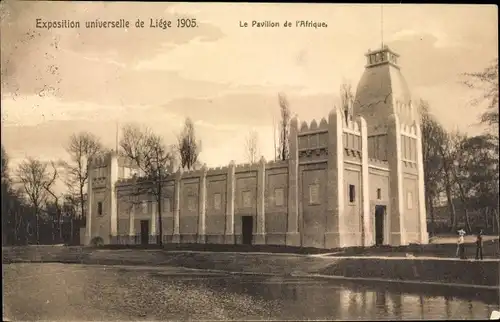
226	78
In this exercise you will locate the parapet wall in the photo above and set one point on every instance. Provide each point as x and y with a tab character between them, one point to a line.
313	126
215	171
329	160
312	139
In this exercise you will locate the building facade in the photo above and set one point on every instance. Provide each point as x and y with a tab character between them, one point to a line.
354	178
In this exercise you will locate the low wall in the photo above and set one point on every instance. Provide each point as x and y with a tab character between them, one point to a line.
455	271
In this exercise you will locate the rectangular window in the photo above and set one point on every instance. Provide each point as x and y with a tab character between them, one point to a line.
314	194
99	208
409	200
247	199
379	193
144	206
191	203
352	193
217	201
279	197
166	205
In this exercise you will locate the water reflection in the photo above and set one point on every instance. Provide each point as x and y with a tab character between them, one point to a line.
77	292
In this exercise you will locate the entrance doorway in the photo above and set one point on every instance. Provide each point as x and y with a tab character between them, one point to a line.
144	232
247	229
379	224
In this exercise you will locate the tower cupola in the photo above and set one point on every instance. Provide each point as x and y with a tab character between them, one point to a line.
383	90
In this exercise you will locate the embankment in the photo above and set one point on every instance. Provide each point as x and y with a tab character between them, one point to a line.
434	270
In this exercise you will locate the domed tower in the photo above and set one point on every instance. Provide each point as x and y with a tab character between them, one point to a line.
394	138
383	91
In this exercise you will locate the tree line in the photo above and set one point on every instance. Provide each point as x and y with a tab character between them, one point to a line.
462	170
35	212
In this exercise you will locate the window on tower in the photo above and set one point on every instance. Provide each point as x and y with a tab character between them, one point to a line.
99	208
314	194
352	193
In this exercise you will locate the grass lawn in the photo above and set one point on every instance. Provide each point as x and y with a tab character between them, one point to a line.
443	247
451	239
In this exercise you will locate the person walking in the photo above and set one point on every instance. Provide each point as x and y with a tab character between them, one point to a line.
461	244
479	245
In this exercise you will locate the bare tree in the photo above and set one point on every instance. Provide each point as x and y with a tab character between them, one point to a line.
13	208
449	151
70	204
188	148
284	127
347	100
36	179
251	146
81	148
487	82
56	198
154	159
434	139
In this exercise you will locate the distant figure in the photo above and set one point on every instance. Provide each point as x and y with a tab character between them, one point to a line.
479	245
461	244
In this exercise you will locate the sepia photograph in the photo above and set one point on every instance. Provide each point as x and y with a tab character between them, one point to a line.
177	161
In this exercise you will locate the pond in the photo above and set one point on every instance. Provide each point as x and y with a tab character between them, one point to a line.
92	292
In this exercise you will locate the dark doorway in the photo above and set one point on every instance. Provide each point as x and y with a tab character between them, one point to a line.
144	232
247	229
379	224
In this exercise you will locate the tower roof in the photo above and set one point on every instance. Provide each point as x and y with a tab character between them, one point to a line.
382	87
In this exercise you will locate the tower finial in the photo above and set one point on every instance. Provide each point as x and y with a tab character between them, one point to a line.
382	25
